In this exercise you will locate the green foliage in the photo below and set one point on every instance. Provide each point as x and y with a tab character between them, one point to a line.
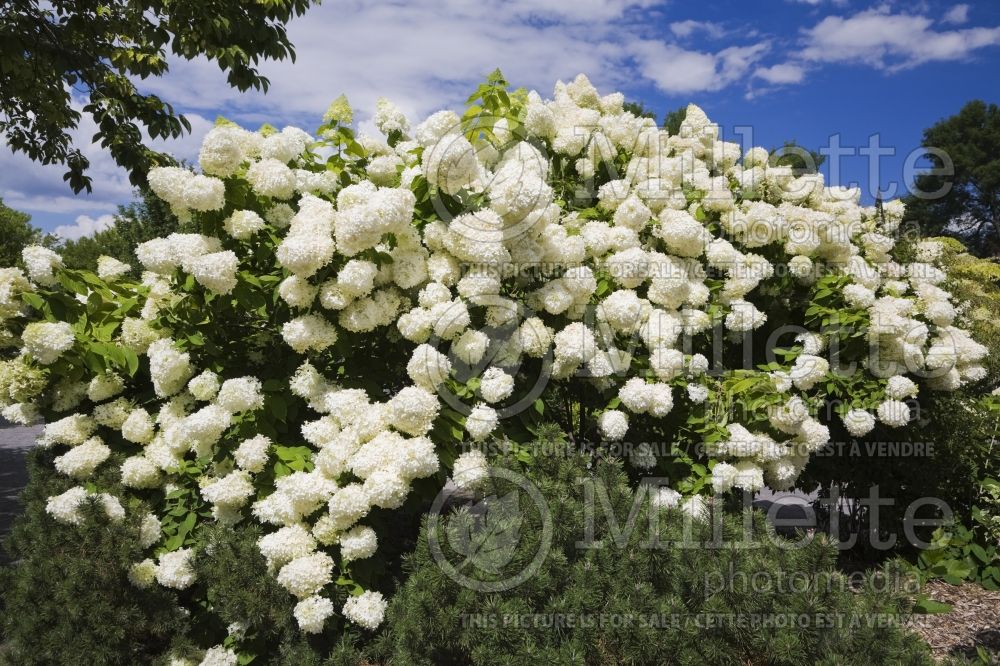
434	620
673	119
67	596
16	233
639	110
964	204
976	281
959	553
100	49
140	221
801	160
490	103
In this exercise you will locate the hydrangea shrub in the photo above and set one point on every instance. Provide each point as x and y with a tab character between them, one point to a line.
357	311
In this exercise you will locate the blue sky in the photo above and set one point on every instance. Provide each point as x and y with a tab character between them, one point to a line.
788	69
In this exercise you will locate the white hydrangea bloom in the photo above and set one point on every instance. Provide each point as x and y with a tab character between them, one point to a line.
142	574
358	543
808	370
495	385
575	344
41	264
481	421
224	149
271	178
428	368
105	386
366	610
252	454
309	332
22	413
297	291
242	394
81	461
613	424
243	224
451	163
285	545
347	506
697	393
305	576
138	427
894	413
173	569
140	472
665	498
723	477
413	410
470	470
110	269
233	490
65	508
169	368
858	422
47	341
219	656
205	386
216	271
899	387
312	612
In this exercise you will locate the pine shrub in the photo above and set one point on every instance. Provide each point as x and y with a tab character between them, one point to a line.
640	605
66	594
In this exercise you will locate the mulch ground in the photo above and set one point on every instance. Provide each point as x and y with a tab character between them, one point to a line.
973	621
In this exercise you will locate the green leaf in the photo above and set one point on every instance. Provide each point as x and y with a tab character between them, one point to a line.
131	361
277	406
34	300
980	553
926	605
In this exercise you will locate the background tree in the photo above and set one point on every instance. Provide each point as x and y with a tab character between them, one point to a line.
802	160
639	110
54	52
16	232
142	220
673	119
967	204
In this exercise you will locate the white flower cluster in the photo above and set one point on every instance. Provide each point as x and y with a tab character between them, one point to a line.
607	293
109	268
47	341
68	507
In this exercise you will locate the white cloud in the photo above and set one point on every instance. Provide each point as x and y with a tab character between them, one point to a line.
817	3
891	41
37	188
676	70
424	54
683	29
85	226
779	74
956	15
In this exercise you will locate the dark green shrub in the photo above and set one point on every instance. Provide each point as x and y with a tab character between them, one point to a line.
66	594
242	592
954	433
633	604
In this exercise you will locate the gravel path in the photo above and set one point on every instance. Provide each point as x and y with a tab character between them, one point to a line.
14	444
